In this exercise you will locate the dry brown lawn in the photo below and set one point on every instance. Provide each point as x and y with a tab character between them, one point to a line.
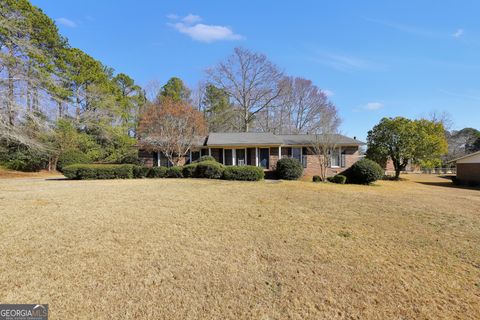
186	249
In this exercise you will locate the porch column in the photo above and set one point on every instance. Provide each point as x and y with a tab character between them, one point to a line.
279	152
234	156
256	156
223	158
245	158
158	158
210	152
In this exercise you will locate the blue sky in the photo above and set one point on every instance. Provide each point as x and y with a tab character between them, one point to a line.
375	58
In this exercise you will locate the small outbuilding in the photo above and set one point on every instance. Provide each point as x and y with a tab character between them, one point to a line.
468	169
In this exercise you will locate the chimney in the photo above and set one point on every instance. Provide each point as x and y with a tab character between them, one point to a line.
354	138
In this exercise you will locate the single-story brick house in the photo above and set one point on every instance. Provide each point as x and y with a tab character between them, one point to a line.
263	150
468	169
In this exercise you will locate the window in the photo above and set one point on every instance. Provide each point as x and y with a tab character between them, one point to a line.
335	158
264	155
240	155
297	154
228	157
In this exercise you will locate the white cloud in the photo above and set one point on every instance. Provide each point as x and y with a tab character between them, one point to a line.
191	19
458	33
328	93
373	106
66	22
203	32
172	16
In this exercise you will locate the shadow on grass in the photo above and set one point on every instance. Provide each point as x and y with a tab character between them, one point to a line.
448	184
58	179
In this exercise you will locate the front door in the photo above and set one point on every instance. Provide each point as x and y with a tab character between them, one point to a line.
264	157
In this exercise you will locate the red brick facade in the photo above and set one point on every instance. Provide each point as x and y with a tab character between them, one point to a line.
349	154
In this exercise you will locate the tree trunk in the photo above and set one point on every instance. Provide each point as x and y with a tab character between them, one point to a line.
397	173
10	98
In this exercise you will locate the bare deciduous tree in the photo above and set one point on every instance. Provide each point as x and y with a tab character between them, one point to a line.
171	127
250	80
324	142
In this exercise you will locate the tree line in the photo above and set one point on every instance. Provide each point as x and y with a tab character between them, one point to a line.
57	101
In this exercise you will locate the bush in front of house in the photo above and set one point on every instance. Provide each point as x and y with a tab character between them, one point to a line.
175	172
70	171
209	170
157	172
243	173
205	158
72	156
140	172
289	169
98	171
316	179
364	171
188	170
339	178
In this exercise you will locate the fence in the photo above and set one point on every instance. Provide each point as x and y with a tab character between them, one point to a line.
430	171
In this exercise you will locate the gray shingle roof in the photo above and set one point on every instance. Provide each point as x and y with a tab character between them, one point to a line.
267	138
305	139
243	138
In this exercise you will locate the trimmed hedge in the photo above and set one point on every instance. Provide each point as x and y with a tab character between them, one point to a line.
289	169
243	173
340	179
98	171
316	179
174	172
157	172
364	171
205	158
209	170
140	171
188	171
70	157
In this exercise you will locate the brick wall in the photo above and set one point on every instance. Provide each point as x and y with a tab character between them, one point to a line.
313	164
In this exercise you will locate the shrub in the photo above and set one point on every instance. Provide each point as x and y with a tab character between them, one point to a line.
140	171
340	179
209	170
98	171
124	171
70	171
72	156
175	172
189	170
157	172
205	158
105	172
243	173
16	164
316	179
364	171
86	172
24	160
289	169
